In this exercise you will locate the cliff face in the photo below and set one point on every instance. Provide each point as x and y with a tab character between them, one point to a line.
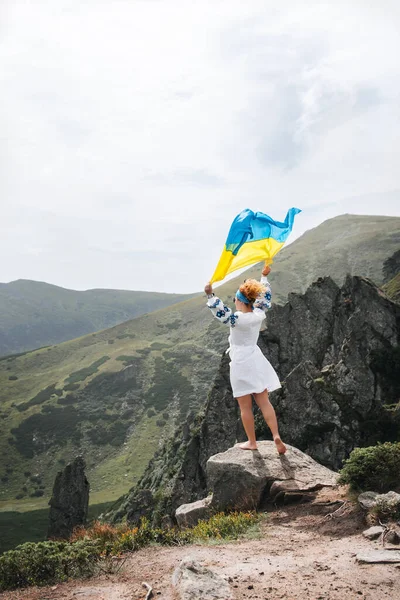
336	352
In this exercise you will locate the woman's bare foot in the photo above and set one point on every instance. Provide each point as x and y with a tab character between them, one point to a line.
248	446
280	446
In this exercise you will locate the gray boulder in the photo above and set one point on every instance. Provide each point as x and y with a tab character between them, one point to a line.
243	479
389	501
188	515
373	532
70	500
367	500
379	556
193	581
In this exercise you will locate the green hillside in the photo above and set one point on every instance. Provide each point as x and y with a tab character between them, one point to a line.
115	395
354	244
35	314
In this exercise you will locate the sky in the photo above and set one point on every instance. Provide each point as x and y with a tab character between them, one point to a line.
132	132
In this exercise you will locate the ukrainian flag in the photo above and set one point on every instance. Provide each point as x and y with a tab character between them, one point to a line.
253	237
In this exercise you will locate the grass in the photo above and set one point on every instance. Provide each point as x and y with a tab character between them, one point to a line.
51	562
392	288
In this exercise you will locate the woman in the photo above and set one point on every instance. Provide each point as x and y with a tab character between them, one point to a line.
251	374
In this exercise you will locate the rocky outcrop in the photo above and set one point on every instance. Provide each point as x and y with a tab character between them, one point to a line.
336	352
391	267
70	500
389	502
250	480
244	480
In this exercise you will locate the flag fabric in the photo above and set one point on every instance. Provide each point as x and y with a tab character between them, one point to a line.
253	237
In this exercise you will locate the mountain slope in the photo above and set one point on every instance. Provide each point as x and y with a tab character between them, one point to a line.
116	395
35	314
348	244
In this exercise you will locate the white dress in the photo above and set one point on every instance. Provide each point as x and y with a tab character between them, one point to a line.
250	371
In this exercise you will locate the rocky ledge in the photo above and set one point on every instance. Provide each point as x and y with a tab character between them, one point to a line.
247	480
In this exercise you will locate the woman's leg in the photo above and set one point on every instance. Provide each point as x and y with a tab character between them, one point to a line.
269	415
246	413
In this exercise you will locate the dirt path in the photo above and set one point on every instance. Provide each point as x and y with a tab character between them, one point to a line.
302	555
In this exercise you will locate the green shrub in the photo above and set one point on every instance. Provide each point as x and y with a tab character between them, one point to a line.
37	494
82	374
41	397
222	526
50	562
167	381
159	346
46	563
71	387
127	359
376	468
143	351
39	432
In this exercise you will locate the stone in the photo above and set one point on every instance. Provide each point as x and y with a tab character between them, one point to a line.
188	515
379	556
390	500
392	537
373	532
70	500
243	479
193	581
367	500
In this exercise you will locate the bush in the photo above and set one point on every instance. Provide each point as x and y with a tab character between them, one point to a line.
70	387
376	468
82	374
224	526
46	563
40	398
37	494
127	359
50	562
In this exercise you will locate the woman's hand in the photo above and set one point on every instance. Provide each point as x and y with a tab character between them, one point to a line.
208	288
266	270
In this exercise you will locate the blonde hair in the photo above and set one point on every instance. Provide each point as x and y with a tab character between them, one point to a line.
252	288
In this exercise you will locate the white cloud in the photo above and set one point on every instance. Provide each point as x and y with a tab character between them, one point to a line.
133	132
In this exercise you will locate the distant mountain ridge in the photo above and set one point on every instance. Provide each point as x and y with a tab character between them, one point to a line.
115	395
34	314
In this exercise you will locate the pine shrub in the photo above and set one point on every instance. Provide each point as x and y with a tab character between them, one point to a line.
375	468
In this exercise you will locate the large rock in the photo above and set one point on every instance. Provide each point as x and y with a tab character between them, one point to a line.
70	500
193	581
373	533
389	501
188	515
242	479
379	556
